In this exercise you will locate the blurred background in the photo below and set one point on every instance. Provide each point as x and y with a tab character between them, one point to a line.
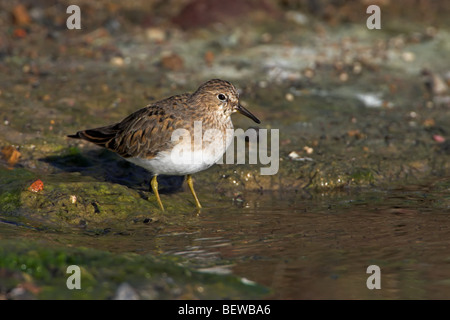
364	121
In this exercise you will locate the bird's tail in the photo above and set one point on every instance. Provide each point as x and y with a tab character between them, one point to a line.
100	136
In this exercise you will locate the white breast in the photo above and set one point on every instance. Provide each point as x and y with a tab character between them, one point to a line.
189	155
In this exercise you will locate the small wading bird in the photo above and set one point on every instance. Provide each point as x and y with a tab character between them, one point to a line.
145	137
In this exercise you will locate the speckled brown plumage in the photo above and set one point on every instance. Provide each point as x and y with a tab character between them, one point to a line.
143	133
144	137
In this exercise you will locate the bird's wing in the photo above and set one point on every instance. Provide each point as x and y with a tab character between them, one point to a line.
143	133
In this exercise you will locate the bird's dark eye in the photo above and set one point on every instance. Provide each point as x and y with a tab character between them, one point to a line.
222	97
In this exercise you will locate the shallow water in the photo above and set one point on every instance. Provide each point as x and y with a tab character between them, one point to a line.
321	247
301	246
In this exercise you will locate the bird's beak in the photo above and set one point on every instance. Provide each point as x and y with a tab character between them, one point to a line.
247	113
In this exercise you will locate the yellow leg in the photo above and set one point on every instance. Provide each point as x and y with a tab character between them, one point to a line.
154	184
191	186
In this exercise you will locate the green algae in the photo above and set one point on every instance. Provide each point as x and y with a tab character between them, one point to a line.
13	182
89	203
45	267
74	200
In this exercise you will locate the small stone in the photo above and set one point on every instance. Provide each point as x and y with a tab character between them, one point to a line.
126	292
11	155
156	34
117	61
413	114
202	13
297	17
20	33
439	87
172	62
357	68
408	56
308	73
429	123
355	133
36	186
209	58
294	155
263	84
370	100
289	97
308	150
343	76
19	293
438	138
20	15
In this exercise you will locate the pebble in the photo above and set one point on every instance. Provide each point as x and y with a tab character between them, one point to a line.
370	100
408	56
263	84
429	123
438	84
357	68
438	138
36	186
20	15
343	76
172	62
11	155
126	292
156	34
209	58
308	73
297	17
308	150
294	155
117	61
